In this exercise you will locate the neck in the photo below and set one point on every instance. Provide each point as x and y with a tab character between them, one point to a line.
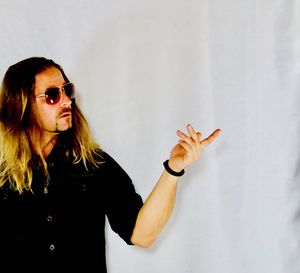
43	142
47	144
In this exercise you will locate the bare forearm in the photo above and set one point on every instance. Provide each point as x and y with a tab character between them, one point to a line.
159	205
156	211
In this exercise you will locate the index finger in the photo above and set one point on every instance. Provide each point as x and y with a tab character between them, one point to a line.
205	142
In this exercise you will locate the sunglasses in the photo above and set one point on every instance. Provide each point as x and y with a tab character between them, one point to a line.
53	94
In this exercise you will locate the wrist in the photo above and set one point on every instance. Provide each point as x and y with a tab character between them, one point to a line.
172	170
174	166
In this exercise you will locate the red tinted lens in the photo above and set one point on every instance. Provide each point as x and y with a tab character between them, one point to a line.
52	95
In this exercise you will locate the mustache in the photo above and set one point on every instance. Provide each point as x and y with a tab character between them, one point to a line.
64	111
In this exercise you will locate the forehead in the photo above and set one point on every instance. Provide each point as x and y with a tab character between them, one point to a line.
50	77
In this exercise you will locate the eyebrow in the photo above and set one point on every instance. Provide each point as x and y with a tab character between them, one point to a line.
45	89
54	86
57	85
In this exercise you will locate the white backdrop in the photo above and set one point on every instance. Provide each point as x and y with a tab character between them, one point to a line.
145	68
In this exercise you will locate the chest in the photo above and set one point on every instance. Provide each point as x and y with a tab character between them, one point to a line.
72	201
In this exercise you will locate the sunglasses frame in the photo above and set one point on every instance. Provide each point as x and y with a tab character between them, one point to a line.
58	98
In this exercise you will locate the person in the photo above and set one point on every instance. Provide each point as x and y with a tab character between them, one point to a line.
57	185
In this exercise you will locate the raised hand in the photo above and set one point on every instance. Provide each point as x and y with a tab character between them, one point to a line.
189	147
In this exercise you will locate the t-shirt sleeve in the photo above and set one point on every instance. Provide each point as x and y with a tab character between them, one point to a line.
122	203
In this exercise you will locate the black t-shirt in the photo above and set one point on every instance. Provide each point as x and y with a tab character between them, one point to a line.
62	228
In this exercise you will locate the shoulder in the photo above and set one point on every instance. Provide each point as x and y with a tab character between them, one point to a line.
110	164
106	166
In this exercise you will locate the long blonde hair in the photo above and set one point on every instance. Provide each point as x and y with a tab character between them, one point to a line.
16	117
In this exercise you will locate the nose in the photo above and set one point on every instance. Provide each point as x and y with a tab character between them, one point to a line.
65	100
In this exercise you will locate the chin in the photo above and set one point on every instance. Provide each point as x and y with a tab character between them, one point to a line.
65	128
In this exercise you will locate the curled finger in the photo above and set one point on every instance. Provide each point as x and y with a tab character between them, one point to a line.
185	137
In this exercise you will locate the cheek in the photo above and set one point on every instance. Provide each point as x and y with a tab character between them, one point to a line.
45	115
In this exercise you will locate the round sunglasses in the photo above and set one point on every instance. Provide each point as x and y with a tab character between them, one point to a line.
53	94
